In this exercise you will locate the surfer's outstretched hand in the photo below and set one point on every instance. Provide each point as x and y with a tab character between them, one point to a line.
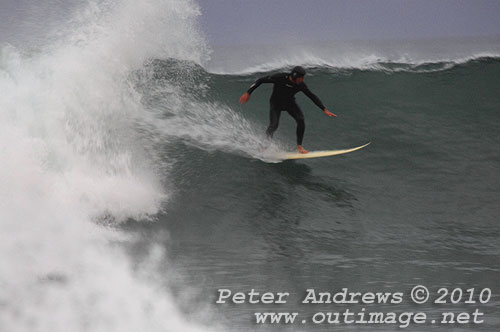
245	98
327	112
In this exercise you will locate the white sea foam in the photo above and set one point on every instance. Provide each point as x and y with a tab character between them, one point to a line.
70	155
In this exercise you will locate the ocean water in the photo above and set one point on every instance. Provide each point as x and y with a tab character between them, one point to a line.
134	187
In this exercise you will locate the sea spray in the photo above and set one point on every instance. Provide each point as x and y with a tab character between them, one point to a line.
72	156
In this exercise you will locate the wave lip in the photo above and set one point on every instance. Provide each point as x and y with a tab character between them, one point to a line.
416	56
372	63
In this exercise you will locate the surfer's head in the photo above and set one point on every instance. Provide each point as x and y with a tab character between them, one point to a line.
297	74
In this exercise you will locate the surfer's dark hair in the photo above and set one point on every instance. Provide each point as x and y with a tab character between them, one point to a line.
298	71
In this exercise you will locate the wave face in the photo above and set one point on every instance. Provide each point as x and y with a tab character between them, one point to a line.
420	200
77	154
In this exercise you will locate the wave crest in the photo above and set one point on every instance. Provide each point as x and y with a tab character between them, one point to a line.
421	56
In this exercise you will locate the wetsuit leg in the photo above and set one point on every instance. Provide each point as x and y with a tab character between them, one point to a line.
274	120
295	111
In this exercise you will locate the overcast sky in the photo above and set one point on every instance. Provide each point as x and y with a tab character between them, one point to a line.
227	22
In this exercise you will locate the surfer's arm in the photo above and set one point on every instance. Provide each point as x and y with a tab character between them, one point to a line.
316	100
257	83
246	96
313	97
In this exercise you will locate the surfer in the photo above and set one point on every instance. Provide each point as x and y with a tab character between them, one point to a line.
286	85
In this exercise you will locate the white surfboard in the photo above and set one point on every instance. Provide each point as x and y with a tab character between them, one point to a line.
318	154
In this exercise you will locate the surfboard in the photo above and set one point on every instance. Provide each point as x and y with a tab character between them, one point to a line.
319	154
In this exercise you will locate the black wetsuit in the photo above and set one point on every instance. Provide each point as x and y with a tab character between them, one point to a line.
283	99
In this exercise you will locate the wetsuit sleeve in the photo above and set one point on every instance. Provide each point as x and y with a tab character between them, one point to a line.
313	97
256	84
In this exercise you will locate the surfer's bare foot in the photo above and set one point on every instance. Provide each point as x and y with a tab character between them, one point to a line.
301	149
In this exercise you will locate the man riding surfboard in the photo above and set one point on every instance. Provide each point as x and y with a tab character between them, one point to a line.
286	85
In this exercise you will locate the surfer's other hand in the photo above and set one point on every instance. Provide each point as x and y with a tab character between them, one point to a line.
245	98
327	112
